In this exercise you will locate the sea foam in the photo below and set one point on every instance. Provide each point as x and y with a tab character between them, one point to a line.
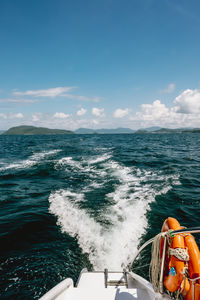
112	246
30	161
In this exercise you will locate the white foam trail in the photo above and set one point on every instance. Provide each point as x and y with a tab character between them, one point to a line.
131	201
114	246
87	167
43	154
84	165
77	223
68	161
99	159
31	161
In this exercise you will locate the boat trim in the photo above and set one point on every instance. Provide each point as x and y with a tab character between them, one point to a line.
58	289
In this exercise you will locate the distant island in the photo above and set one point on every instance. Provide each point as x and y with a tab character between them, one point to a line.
149	130
169	130
32	130
104	131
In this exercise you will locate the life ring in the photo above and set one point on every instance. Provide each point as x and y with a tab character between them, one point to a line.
177	280
174	280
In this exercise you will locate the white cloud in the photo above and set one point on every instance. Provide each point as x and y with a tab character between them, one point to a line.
36	117
154	111
81	112
155	114
3	116
53	92
99	112
188	102
61	115
16	100
121	113
171	87
76	97
185	114
95	122
82	98
16	116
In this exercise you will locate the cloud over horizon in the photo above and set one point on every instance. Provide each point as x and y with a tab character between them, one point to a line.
184	112
98	112
11	116
81	112
188	102
61	115
121	113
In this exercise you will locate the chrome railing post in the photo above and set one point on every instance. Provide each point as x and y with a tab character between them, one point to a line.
193	290
193	287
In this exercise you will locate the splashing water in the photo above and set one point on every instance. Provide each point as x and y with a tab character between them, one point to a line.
110	246
29	162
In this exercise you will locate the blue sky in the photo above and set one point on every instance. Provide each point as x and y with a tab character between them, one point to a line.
70	64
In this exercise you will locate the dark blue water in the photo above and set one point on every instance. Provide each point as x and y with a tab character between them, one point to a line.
75	201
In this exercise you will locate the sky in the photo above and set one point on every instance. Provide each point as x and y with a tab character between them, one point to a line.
100	63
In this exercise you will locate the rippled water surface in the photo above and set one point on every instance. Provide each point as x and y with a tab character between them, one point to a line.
75	201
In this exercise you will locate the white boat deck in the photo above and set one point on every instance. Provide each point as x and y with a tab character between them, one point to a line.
96	286
92	286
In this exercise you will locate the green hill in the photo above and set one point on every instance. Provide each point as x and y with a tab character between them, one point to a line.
32	130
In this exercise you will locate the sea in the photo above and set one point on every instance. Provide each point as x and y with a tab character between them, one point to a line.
69	202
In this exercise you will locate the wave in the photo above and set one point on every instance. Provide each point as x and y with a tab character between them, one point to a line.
68	162
112	246
88	167
100	159
29	162
85	164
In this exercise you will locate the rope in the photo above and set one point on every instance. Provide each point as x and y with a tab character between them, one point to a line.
154	269
180	253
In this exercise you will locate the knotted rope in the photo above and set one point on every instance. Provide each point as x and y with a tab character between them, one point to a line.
180	253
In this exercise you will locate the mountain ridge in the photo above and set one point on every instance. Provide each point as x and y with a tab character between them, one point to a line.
104	130
33	130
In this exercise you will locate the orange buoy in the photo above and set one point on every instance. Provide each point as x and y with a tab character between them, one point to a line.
176	280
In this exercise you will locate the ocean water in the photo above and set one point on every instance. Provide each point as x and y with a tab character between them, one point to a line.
75	201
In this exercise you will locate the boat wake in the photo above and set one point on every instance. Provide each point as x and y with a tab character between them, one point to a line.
133	189
29	162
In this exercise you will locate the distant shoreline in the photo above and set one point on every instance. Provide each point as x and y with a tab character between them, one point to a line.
32	130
